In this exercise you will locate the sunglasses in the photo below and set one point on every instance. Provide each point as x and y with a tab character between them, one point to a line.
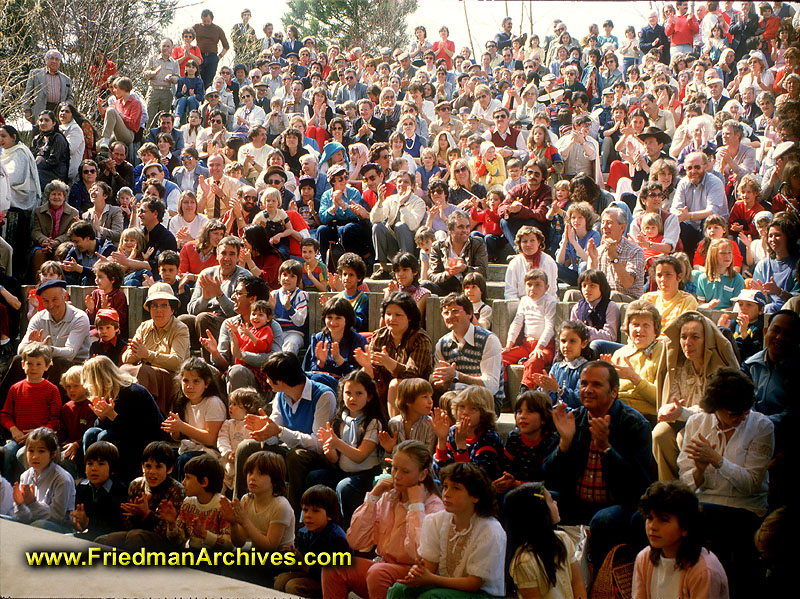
218	121
275	182
89	171
186	158
461	169
250	197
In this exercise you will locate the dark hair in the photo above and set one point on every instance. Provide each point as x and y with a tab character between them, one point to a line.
598	277
407	305
613	376
728	389
354	262
284	367
12	132
308	241
208	467
160	188
255	286
112	270
582	331
82	229
421	455
154	204
341	307
45	435
103	451
531	528
169	257
257	237
323	497
293	267
206	373
672	261
160	452
675	499
460	300
539	402
477	279
406	260
273	466
373	410
477	484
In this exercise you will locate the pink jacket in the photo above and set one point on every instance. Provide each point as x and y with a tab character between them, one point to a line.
390	525
705	580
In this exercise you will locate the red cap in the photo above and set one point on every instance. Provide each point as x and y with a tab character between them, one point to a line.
108	314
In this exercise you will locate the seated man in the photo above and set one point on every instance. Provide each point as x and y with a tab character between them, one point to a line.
166	124
603	462
734	157
300	408
455	256
150	213
87	248
62	327
468	354
773	368
242	370
211	301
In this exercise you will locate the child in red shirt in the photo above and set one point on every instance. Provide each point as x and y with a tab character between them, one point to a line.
76	418
745	209
109	277
31	403
492	233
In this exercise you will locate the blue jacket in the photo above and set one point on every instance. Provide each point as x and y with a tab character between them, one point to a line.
773	383
340	217
191	83
176	134
628	467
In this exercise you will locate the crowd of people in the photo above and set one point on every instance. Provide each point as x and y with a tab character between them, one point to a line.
649	179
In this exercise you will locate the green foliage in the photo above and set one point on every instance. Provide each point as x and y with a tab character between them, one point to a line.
370	24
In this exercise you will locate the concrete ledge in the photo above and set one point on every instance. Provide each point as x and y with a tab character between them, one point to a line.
17	579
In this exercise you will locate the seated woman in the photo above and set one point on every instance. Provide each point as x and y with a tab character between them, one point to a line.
774	275
186	225
79	197
259	256
637	361
399	350
462	185
46	238
127	414
726	450
670	301
159	346
694	350
331	352
341	210
439	209
652	199
202	253
106	219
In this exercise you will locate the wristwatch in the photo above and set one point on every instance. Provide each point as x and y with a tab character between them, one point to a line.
615	261
455	378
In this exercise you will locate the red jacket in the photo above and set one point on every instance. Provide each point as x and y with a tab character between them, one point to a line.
682	29
191	262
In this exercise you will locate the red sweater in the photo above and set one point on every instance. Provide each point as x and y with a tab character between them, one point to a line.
681	29
31	405
191	262
117	301
741	214
264	336
76	418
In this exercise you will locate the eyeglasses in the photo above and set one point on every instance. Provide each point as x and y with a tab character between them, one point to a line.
460	169
186	158
89	171
337	178
500	117
218	121
275	182
655	195
693	167
349	77
250	197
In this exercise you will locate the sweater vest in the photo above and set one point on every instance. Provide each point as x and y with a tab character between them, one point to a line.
468	359
509	142
301	419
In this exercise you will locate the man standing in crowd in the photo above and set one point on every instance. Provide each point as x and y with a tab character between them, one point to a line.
209	37
46	88
162	72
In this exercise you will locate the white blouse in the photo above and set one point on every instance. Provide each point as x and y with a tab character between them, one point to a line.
742	480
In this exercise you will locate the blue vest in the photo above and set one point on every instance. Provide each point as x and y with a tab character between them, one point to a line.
468	359
301	419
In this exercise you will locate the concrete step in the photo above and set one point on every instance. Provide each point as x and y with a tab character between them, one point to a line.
495	288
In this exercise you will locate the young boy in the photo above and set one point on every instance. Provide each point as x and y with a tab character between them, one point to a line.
85	252
351	271
488	217
321	533
125	199
199	519
146	496
109	294
535	319
515	176
98	499
290	306
76	418
308	204
424	238
111	343
415	402
31	403
258	338
748	328
169	263
315	275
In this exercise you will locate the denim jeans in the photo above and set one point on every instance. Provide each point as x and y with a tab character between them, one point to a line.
602	346
184	105
512	225
136	279
208	68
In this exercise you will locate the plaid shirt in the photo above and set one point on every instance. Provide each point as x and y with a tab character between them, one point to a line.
632	256
591	486
414	353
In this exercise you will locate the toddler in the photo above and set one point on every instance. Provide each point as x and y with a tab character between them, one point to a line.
241	402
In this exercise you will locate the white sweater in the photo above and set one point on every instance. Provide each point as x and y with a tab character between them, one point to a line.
515	276
536	319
